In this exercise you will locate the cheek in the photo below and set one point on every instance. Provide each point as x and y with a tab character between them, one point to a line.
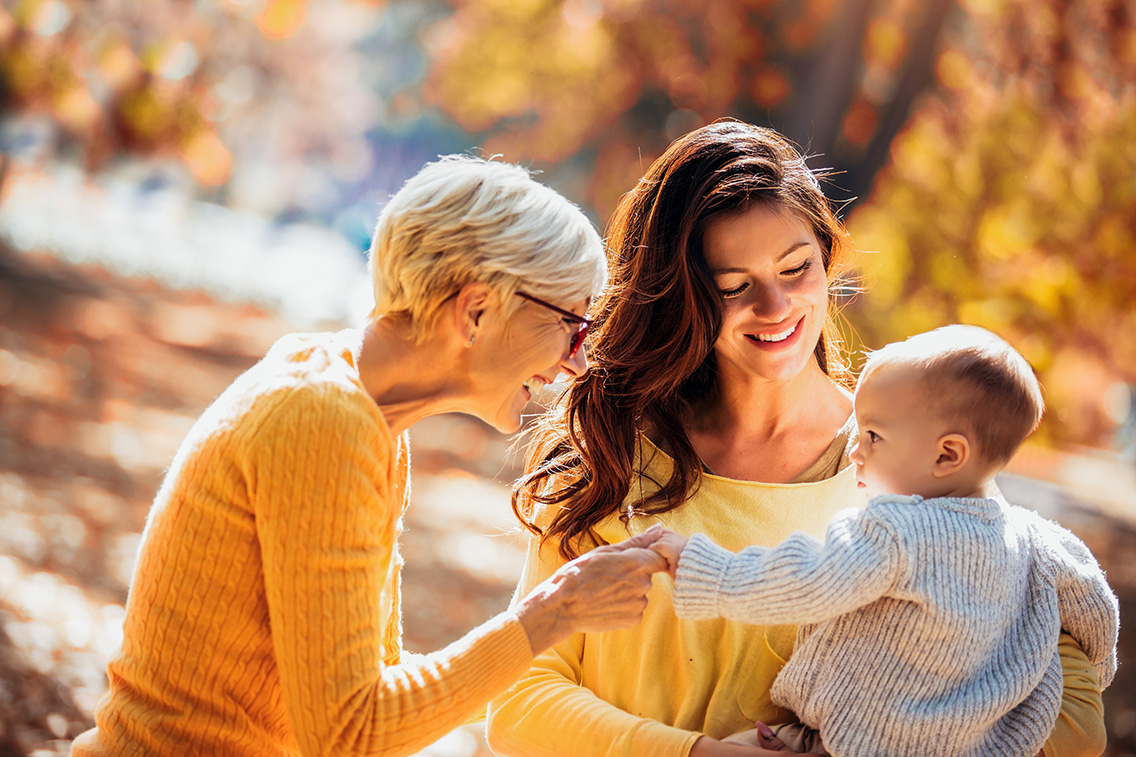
731	311
816	289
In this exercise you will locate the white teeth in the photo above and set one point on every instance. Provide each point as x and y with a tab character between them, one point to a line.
777	337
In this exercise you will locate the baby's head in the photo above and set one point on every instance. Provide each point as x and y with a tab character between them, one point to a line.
942	412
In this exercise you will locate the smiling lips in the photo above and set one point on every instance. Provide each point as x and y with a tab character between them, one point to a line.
533	385
772	339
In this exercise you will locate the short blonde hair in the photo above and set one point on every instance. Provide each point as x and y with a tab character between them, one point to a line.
461	220
975	378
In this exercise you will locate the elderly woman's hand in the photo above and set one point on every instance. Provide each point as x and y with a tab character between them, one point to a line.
602	590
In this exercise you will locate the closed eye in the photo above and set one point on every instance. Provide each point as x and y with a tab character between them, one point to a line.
728	293
800	269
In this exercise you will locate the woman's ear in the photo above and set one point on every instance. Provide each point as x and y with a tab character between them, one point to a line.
470	303
952	453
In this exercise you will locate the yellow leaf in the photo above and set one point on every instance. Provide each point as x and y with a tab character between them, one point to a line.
281	19
207	157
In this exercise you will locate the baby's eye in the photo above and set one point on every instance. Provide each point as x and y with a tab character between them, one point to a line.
873	437
728	293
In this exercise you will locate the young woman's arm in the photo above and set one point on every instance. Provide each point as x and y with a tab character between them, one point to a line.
1079	730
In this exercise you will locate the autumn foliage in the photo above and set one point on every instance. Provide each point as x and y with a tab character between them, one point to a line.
988	148
985	149
1010	202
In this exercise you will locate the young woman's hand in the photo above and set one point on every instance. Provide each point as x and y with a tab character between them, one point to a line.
762	736
708	747
601	590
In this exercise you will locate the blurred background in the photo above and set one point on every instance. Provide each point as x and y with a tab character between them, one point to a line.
183	182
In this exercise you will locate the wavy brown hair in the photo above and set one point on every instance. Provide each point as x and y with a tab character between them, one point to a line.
656	325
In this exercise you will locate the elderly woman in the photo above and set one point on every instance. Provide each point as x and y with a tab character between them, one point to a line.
264	615
717	404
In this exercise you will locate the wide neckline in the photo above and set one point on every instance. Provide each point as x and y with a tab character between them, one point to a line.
646	462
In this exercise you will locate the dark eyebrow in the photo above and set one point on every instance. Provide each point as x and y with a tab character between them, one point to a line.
793	248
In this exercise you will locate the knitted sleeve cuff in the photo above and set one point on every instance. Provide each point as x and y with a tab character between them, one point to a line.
698	579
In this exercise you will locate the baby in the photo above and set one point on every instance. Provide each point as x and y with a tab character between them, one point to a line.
929	620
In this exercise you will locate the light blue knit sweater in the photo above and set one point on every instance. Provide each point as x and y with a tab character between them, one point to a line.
928	627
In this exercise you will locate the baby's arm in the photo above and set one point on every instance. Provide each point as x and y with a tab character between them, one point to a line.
1089	609
798	581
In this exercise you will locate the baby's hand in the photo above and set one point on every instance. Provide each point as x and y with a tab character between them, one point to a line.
670	546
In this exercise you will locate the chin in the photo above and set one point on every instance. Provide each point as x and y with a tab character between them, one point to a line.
508	426
509	419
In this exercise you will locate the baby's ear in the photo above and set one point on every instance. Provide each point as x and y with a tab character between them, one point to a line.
953	451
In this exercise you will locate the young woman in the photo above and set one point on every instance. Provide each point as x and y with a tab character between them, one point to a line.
263	618
716	404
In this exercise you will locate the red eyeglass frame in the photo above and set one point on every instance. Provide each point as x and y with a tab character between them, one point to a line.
584	321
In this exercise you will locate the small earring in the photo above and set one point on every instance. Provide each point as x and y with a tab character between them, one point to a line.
472	337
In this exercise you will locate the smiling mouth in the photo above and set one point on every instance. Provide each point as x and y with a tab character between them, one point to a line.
778	337
533	385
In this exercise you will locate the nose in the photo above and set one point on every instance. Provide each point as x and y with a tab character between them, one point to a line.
854	454
576	365
771	302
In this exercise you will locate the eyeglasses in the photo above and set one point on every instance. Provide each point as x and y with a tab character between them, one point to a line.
578	337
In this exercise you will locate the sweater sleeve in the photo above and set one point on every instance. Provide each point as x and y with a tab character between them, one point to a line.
322	482
549	714
798	581
1090	612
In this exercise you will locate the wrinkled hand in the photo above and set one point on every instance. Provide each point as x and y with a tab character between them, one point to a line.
602	590
670	545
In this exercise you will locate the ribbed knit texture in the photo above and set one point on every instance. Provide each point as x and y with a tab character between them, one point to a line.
264	615
929	627
652	689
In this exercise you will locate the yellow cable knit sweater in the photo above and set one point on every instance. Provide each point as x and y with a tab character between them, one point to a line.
264	614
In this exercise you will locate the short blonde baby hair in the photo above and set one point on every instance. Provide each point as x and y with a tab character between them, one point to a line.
461	220
975	378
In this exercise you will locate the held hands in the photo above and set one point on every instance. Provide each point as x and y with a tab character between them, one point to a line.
669	546
756	742
602	590
708	747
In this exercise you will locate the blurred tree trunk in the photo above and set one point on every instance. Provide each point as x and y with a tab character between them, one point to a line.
827	81
917	78
838	78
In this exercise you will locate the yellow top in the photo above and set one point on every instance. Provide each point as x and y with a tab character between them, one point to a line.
655	688
264	614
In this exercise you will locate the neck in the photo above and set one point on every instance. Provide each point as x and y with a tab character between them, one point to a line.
983	489
403	376
747	407
768	431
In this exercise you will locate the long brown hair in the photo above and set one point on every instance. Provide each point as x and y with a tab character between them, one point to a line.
655	327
